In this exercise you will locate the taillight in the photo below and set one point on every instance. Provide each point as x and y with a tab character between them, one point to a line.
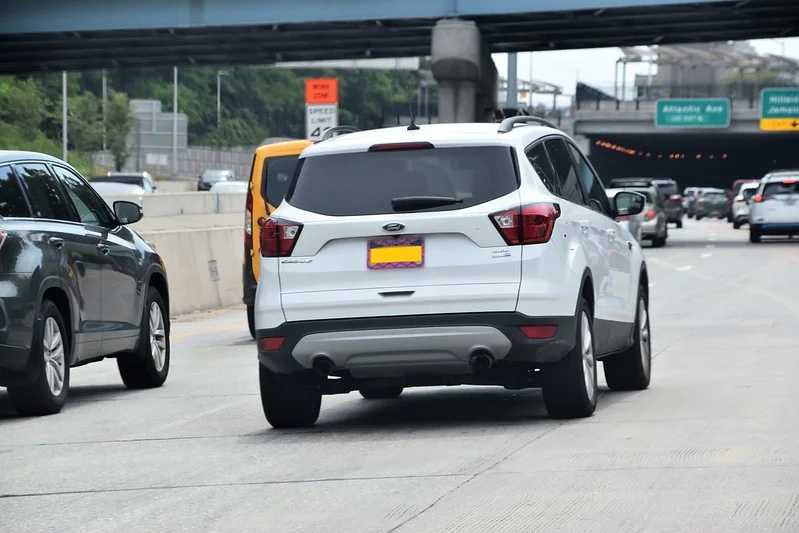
622	219
789	181
701	202
650	214
676	198
2	237
758	198
539	332
248	221
530	224
271	344
278	237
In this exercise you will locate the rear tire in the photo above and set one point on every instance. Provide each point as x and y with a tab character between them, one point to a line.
149	366
736	224
50	349
754	235
570	385
381	393
679	224
251	319
289	401
632	369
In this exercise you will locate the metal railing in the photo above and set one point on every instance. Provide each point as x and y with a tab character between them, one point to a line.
748	92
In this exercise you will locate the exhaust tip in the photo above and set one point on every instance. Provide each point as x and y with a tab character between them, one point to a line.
323	366
481	361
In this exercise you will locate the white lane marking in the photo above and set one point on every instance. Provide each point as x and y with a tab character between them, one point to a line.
685	268
710	246
705	256
712	239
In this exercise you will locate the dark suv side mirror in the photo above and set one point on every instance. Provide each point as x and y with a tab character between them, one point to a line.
127	212
628	203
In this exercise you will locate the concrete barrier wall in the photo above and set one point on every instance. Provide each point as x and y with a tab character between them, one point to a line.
186	203
203	267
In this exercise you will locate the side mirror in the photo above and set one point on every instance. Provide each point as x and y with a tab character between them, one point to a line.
628	203
127	212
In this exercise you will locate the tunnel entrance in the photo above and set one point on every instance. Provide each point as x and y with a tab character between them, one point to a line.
694	160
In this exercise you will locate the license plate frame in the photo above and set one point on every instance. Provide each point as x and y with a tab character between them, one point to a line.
399	252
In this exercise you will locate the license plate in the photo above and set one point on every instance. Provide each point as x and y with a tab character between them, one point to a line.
395	252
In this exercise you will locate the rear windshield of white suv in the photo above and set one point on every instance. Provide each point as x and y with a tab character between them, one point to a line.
365	183
777	188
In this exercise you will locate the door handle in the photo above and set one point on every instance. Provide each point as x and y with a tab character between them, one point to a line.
585	224
611	233
55	241
103	249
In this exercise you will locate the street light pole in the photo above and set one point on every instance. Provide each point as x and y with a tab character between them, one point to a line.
219	74
175	122
64	128
105	99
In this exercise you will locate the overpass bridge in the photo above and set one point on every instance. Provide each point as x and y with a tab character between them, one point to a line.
460	35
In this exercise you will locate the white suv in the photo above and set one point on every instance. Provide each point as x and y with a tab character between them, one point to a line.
775	206
445	255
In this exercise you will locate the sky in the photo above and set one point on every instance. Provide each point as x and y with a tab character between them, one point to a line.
595	67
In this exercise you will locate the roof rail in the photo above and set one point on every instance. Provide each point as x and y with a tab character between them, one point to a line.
336	131
508	124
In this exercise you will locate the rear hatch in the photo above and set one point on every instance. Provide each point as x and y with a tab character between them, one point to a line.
779	202
400	230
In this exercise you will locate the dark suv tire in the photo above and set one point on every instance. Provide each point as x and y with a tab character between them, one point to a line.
381	393
50	351
149	366
251	319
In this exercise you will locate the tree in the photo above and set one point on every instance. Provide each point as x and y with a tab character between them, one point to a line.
119	122
85	123
22	105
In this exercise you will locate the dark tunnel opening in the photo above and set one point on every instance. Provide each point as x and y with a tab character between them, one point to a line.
694	160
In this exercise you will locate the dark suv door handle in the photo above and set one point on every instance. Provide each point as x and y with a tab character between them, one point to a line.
55	241
103	249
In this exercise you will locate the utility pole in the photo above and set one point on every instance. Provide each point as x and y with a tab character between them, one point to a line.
219	74
512	97
175	122
105	99
64	129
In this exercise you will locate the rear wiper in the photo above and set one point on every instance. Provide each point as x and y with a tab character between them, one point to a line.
413	203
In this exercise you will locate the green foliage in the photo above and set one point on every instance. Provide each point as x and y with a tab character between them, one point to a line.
256	103
119	122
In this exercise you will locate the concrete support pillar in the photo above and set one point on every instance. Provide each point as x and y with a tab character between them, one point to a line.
466	74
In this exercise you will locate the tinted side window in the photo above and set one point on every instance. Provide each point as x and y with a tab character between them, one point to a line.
565	171
12	199
365	183
90	208
46	197
276	177
539	159
597	198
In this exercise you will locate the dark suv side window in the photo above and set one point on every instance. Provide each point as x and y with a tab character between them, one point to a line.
567	175
45	195
539	159
91	209
12	199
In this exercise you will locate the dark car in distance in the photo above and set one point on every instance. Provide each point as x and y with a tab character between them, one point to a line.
211	177
76	285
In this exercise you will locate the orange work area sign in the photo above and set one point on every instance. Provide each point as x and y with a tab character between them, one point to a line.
321	91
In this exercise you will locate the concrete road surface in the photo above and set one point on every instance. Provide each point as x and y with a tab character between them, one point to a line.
712	446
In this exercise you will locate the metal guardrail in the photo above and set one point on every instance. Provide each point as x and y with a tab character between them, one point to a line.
746	92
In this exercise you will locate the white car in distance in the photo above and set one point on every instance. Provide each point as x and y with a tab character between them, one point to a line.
449	254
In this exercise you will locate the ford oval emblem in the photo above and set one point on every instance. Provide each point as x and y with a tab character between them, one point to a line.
394	226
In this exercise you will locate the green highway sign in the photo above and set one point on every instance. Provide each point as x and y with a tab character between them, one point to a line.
693	113
779	110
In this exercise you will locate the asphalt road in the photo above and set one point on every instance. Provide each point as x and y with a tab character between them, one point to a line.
712	446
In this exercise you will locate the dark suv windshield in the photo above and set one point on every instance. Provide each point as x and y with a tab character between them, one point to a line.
667	188
365	183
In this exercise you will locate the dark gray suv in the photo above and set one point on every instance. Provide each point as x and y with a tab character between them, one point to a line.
76	285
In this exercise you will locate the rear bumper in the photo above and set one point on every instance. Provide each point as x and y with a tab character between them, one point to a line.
414	345
775	228
16	333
